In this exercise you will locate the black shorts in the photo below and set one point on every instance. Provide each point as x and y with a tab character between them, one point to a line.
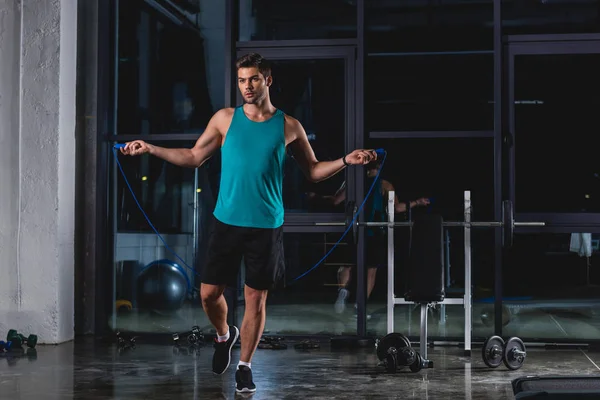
260	248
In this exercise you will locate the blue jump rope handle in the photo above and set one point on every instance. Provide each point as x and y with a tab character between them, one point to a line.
119	145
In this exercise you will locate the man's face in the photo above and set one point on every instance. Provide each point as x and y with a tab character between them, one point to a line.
253	85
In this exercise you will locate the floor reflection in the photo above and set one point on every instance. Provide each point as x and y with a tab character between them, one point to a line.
93	369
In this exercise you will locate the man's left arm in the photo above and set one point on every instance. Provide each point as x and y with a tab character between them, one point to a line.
316	170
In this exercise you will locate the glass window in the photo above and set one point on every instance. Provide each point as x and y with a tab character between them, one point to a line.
290	19
544	17
167	193
429	92
162	86
179	203
314	92
421	26
440	170
429	66
556	108
563	303
307	305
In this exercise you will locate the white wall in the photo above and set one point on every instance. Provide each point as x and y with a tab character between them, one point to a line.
37	167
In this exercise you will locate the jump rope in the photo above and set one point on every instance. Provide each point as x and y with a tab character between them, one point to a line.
380	153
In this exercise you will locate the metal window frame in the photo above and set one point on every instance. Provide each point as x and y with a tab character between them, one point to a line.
538	45
430	134
103	276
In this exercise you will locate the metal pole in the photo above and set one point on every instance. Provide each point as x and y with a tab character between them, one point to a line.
390	237
456	224
467	299
423	336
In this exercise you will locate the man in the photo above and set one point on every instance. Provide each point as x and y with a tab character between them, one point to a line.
376	237
249	213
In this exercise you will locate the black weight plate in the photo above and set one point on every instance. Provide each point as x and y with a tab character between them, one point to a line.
406	356
489	358
396	340
391	364
417	364
511	360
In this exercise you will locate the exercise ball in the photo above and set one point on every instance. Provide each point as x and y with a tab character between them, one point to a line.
162	286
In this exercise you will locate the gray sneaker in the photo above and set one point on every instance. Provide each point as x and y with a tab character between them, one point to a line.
340	303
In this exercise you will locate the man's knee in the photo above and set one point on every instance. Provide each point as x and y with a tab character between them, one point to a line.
210	293
255	298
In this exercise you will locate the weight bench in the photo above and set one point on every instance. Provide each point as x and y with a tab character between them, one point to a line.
556	387
425	277
426	272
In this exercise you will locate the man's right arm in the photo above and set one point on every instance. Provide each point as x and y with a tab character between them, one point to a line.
210	141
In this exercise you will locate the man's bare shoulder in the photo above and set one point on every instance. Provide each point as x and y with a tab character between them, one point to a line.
222	119
291	122
293	128
224	113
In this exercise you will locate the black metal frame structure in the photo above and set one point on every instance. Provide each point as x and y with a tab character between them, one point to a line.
503	53
542	45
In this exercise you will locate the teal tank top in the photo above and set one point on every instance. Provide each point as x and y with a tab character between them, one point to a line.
252	163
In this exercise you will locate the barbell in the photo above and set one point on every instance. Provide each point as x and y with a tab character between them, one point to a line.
508	224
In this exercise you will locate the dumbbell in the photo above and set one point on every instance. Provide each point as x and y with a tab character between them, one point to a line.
5	345
512	353
125	342
194	337
394	351
18	340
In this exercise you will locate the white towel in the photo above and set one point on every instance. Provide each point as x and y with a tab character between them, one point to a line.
581	243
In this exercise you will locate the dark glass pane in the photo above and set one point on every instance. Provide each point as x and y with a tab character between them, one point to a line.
563	301
556	119
167	193
314	92
543	17
161	74
179	203
290	19
441	170
430	92
306	305
417	26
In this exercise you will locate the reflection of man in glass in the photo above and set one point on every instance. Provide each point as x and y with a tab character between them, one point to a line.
249	211
376	237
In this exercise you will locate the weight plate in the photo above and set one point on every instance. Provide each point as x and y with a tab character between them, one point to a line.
417	364
10	335
514	353
396	340
492	351
391	363
406	356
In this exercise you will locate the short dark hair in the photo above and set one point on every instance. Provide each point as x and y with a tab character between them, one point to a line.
254	60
